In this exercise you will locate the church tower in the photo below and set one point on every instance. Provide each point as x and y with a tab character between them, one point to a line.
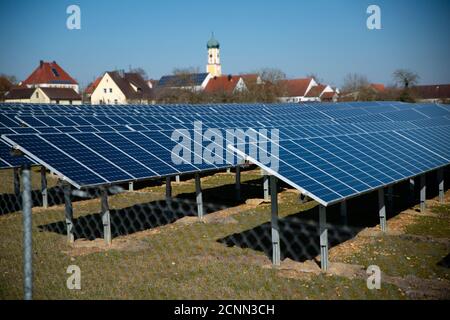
213	65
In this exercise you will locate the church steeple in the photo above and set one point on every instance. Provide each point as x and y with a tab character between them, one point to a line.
214	67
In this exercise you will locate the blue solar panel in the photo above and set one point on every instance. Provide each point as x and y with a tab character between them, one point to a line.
335	168
330	151
9	161
56	160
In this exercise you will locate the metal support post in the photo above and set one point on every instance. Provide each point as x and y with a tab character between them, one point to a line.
344	219
382	209
440	175
238	183
16	182
390	198
266	187
198	192
323	238
412	190
168	189
69	212
274	222
106	217
423	193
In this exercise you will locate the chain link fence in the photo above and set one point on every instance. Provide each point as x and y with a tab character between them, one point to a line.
147	240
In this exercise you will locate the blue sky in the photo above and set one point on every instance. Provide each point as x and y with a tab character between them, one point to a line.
326	37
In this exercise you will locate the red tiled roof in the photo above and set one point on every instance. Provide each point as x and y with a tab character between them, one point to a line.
49	72
296	87
378	86
250	78
315	91
91	87
440	91
222	84
328	95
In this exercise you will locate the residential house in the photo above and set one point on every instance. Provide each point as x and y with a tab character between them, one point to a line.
122	88
251	79
19	95
48	83
319	93
329	96
439	93
50	75
295	90
225	85
91	88
188	81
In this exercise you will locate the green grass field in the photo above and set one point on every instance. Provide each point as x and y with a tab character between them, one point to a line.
183	258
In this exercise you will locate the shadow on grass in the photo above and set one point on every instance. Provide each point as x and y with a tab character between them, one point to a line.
299	233
144	216
12	203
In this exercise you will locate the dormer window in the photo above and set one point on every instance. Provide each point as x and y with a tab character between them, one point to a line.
55	72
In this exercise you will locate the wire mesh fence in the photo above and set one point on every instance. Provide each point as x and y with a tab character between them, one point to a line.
149	241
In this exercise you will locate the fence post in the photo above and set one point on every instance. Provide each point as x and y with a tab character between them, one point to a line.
27	233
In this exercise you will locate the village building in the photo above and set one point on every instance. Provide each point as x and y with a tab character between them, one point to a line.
122	88
213	67
225	85
48	83
295	90
439	93
320	93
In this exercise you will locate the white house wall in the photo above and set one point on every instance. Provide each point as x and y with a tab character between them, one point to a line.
100	96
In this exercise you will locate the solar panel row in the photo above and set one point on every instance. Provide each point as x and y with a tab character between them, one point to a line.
329	151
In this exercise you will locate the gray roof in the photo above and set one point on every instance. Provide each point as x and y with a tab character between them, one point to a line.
124	83
183	80
19	93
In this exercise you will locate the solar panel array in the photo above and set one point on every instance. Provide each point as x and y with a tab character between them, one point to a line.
329	151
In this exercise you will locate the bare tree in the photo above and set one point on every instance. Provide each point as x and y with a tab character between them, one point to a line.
141	72
6	83
405	78
271	75
354	82
315	76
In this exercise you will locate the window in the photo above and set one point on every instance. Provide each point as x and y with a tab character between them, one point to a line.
115	101
110	90
55	72
37	94
105	90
